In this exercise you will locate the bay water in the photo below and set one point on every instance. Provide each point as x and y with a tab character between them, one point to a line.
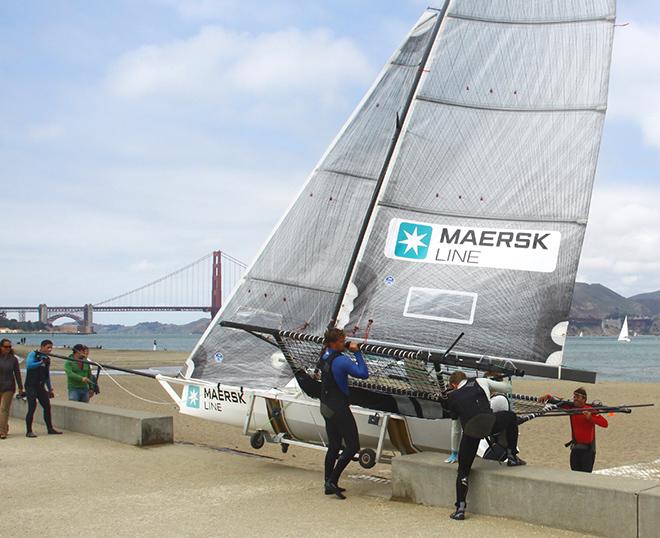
638	360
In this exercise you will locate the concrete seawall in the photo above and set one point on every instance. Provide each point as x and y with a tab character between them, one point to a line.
125	426
603	505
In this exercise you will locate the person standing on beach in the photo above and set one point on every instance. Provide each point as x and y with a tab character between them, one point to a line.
339	421
469	403
78	375
10	377
583	429
37	378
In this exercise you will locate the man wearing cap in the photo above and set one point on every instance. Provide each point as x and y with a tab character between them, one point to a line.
78	375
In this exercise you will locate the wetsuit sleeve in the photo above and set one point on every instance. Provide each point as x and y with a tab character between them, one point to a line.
17	375
356	369
32	362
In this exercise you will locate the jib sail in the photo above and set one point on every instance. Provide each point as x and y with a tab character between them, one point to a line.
296	281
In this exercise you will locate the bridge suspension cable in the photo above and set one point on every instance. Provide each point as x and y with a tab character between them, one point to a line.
189	286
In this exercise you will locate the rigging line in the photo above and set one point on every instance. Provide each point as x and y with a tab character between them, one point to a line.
129	392
453	214
447	102
386	164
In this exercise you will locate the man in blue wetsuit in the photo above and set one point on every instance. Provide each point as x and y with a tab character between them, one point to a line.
339	422
37	378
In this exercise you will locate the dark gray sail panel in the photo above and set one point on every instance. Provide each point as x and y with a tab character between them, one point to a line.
487	197
496	164
295	281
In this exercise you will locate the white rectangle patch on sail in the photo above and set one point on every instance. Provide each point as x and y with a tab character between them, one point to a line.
441	305
500	248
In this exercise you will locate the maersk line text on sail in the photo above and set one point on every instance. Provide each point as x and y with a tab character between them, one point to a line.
524	250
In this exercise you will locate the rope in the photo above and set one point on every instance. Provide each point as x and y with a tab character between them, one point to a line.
132	393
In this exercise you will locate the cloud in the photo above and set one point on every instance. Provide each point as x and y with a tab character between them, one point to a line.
635	78
622	241
217	63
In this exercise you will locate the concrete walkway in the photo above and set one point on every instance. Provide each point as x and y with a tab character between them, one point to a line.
79	485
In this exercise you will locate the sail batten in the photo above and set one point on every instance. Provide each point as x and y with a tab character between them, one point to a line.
580	108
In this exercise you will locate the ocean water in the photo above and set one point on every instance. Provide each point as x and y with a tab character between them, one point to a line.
638	360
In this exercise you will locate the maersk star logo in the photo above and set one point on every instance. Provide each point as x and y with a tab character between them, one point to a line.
193	397
413	241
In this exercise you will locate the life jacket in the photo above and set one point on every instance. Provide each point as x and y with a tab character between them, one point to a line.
332	398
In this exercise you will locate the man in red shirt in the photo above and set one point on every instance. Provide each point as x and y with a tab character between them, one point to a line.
583	430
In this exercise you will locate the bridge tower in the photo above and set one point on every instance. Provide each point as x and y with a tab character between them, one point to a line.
216	283
88	319
43	314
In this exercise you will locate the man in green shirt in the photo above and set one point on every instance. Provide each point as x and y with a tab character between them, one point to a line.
78	375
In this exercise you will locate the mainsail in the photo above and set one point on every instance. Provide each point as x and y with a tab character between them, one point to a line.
623	335
455	198
480	223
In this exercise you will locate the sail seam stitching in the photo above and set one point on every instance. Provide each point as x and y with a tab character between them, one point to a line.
403	207
435	100
606	18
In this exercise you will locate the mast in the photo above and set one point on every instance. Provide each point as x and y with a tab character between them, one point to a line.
399	121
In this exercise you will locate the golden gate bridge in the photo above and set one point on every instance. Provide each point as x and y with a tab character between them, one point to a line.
200	286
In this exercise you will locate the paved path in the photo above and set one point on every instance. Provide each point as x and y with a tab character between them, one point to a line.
78	485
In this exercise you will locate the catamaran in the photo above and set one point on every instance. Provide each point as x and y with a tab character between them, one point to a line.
623	335
443	225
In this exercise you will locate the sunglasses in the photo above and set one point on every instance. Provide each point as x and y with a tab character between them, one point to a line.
7	346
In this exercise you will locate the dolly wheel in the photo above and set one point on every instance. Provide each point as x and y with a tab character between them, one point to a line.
284	447
257	440
367	458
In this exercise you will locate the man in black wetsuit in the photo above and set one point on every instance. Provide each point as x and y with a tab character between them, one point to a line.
339	421
468	403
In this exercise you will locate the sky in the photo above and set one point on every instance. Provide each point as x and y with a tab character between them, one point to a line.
135	137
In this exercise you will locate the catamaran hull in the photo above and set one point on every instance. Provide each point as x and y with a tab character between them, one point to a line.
297	417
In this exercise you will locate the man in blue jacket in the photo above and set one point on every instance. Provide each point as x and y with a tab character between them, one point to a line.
37	378
339	422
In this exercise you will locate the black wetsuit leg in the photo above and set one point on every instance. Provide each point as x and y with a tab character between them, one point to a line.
507	422
582	460
40	394
344	423
334	446
467	451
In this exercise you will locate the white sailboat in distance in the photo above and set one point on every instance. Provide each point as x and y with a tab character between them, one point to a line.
623	335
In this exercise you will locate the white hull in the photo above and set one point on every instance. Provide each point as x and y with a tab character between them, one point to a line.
300	418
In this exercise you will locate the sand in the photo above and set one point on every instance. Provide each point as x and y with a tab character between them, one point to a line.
629	439
78	485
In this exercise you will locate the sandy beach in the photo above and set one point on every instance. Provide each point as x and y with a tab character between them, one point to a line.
629	439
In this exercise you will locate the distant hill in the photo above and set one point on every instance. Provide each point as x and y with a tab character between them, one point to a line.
596	301
155	327
650	301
